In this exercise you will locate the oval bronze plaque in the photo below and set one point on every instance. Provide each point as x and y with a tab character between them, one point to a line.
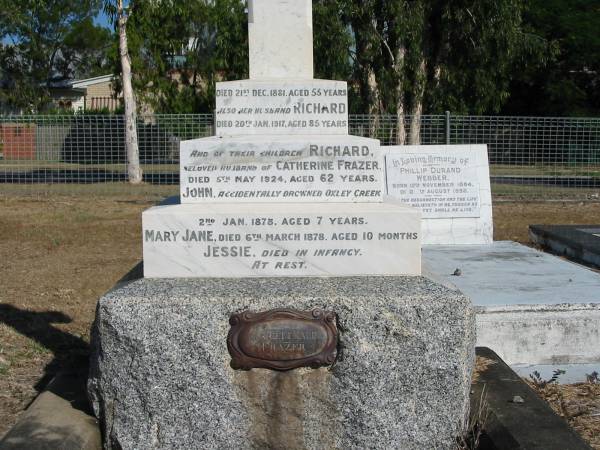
282	339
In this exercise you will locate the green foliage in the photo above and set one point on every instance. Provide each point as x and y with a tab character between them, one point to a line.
567	82
362	20
481	42
332	41
44	40
87	112
456	55
537	57
541	383
85	50
176	64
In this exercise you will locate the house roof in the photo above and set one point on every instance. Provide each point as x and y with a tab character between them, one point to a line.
91	81
78	84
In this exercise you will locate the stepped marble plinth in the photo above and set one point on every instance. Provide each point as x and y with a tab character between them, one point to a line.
281	240
288	106
279	169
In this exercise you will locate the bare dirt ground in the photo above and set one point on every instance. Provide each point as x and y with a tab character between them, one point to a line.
58	254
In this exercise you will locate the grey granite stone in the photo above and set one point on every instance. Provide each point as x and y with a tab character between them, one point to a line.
160	375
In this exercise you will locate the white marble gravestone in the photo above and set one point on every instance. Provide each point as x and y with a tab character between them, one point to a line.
289	106
282	209
450	185
281	169
281	240
282	190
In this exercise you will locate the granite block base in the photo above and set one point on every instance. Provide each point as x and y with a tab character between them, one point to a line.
160	374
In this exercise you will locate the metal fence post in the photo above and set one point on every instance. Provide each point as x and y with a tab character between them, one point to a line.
447	127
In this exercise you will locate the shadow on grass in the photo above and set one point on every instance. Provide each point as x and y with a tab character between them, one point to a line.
61	417
69	351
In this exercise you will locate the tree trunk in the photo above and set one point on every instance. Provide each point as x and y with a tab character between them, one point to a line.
400	108
415	124
362	28
374	103
400	126
134	170
417	105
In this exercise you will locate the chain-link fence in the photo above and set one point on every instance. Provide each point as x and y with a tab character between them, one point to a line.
530	157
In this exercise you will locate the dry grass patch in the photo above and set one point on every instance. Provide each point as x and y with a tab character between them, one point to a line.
57	256
578	403
512	219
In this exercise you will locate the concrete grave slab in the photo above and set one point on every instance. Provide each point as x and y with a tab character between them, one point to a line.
59	418
580	243
573	373
532	307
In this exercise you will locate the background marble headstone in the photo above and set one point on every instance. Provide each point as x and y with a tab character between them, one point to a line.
450	184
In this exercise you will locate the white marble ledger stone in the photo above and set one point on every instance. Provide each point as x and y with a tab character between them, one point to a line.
450	184
255	169
280	36
291	240
299	106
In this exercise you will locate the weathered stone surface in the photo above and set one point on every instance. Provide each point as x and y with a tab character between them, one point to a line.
161	378
281	240
59	418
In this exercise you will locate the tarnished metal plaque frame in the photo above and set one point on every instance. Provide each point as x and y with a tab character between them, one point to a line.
282	339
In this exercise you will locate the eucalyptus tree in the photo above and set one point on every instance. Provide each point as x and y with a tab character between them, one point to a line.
180	48
568	82
333	51
46	40
120	15
416	56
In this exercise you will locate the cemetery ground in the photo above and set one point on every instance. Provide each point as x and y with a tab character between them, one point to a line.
60	253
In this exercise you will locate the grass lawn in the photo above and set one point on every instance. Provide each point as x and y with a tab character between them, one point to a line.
547	170
59	253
